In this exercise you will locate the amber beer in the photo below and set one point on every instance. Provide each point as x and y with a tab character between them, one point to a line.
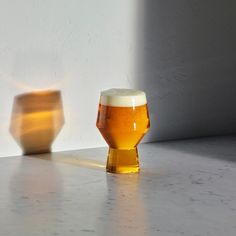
123	120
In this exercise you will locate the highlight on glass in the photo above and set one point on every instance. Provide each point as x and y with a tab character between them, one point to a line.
123	120
37	118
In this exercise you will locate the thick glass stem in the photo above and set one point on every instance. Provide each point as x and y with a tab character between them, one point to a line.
122	160
36	151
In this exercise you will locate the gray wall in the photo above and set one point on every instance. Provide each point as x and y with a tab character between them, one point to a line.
186	62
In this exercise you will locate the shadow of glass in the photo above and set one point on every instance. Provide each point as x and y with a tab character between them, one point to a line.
37	118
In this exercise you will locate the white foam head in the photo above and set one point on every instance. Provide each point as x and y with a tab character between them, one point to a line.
123	98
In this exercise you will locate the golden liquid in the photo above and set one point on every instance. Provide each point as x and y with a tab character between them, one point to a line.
123	128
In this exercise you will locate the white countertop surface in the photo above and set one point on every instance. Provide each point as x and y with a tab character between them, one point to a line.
185	188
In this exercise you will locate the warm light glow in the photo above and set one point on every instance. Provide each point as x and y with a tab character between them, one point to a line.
19	85
26	87
37	118
74	160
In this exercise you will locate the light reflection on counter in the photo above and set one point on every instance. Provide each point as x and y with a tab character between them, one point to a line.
76	160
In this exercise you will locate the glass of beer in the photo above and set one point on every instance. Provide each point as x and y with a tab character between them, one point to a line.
123	120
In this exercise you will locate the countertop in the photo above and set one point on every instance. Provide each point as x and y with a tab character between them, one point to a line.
185	187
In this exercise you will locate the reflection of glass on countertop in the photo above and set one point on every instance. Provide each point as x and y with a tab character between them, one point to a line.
123	208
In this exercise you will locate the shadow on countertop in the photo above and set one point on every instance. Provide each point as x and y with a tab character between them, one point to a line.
219	147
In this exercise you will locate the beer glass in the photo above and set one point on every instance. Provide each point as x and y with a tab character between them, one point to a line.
123	120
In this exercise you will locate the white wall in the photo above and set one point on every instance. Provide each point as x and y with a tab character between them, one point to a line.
78	46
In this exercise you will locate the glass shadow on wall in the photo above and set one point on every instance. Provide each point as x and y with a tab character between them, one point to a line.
37	118
186	65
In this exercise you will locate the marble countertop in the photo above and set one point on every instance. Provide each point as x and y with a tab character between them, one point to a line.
185	187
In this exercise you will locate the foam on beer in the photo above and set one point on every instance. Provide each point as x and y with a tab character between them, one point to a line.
123	98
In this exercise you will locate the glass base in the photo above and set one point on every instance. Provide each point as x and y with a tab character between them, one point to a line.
122	161
36	151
